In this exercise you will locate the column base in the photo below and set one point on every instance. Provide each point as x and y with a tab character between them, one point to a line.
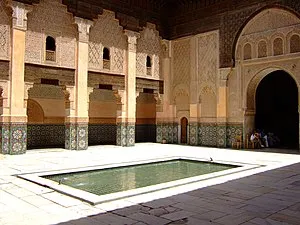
76	136
13	138
125	134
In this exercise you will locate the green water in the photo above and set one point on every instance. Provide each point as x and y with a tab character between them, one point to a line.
112	180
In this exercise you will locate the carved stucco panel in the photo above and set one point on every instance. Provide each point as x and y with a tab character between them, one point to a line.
107	32
181	62
4	32
149	44
270	19
208	63
50	17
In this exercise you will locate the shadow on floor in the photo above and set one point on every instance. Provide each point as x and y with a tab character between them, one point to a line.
271	197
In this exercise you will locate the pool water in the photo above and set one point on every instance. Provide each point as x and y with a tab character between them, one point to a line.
106	181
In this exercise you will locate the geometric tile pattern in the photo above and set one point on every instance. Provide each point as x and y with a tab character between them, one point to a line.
193	132
232	130
221	135
76	136
145	133
125	134
45	135
100	134
13	138
207	134
168	132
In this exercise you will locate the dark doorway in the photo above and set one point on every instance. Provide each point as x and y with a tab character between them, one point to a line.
184	124
277	108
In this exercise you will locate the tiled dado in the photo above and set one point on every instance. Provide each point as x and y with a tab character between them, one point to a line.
168	132
45	135
125	134
76	136
193	132
145	133
100	134
208	134
13	138
233	130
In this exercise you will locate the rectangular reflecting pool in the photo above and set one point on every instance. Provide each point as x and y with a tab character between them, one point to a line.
107	181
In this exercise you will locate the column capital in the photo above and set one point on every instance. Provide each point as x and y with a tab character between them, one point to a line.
132	37
166	48
19	15
84	26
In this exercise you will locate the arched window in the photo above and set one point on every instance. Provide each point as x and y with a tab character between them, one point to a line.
106	54
50	48
148	62
148	65
295	44
247	51
106	58
262	49
278	46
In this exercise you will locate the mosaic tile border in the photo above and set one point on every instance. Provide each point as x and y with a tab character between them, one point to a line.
232	130
13	138
126	134
145	133
76	136
45	135
101	134
167	132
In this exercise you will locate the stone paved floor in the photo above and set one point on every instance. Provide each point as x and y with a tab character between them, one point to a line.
268	195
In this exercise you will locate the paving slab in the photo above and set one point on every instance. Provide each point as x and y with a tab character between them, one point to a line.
266	195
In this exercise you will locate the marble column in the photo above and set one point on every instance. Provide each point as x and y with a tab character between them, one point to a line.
222	111
126	123
14	123
77	122
166	126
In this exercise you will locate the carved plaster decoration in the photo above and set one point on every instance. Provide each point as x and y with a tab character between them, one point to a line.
44	91
83	29
208	61
270	19
149	44
107	32
51	18
4	32
165	48
132	40
19	15
269	33
181	62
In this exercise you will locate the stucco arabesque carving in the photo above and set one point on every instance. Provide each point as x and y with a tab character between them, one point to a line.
19	15
84	26
132	40
208	62
149	44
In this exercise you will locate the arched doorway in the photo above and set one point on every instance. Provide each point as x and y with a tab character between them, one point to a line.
277	108
184	124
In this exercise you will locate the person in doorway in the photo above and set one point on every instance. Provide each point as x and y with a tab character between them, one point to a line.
264	138
255	137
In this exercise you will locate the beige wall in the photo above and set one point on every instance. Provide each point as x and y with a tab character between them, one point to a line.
145	109
102	107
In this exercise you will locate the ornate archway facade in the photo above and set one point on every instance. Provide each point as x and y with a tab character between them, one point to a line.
266	44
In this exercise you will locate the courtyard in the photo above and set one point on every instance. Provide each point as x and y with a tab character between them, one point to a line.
266	194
